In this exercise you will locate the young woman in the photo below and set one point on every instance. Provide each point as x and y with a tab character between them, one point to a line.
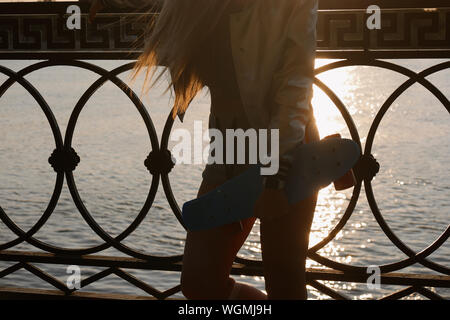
257	59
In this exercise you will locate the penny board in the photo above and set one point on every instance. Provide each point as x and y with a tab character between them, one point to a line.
315	166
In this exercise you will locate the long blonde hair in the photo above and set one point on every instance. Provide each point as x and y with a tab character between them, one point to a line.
174	39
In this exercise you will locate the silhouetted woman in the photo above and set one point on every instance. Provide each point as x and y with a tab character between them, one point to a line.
257	59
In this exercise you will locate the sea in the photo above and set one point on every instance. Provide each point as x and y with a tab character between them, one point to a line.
411	190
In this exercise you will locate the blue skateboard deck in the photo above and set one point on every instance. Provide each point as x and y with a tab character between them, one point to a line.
315	166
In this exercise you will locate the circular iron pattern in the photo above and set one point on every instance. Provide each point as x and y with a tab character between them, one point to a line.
159	163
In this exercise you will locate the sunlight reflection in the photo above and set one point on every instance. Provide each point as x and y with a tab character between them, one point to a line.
329	119
330	203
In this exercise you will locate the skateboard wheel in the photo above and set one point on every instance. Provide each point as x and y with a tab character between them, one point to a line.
348	180
336	135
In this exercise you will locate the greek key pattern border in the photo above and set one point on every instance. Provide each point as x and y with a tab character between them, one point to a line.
119	35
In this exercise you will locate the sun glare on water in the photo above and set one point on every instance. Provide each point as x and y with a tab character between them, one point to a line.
328	117
331	204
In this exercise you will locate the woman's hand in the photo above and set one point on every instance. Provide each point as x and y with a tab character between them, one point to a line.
96	6
271	204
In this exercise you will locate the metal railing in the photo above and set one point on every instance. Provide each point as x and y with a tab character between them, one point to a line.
37	31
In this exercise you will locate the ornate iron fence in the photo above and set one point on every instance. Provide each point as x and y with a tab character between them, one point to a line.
37	31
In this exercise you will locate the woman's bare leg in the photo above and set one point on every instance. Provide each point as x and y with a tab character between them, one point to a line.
284	243
208	258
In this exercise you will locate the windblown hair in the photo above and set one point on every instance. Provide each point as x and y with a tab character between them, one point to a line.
175	38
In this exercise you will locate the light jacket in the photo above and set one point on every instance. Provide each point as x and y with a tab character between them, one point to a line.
273	45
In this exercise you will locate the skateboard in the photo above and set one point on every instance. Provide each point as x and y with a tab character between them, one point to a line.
315	166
